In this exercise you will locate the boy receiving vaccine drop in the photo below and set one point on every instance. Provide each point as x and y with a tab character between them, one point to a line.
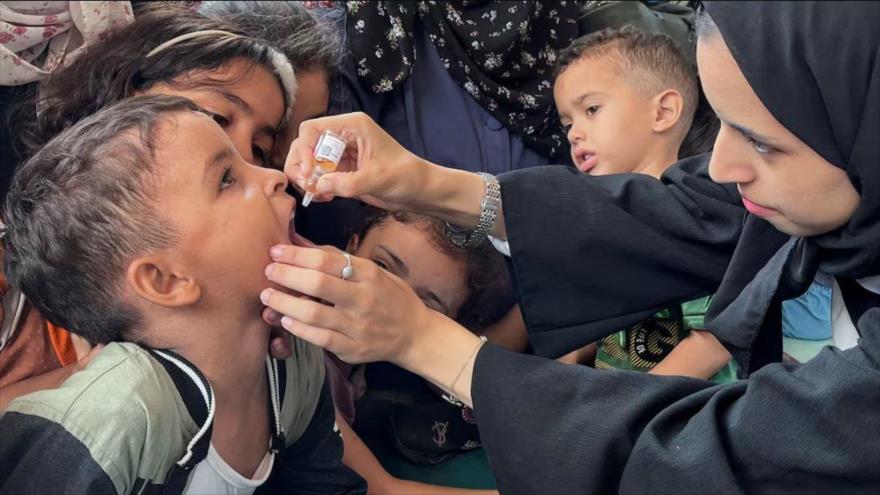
142	228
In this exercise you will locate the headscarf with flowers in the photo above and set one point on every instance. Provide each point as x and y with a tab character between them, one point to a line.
501	53
38	37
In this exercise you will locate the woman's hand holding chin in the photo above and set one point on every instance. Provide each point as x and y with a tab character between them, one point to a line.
371	316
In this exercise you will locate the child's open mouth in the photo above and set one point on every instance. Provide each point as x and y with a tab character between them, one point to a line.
586	161
287	221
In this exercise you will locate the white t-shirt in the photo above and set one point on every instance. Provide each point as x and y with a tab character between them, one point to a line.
213	476
843	330
503	247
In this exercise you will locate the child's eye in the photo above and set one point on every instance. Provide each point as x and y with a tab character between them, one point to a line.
591	110
381	265
761	148
220	120
227	179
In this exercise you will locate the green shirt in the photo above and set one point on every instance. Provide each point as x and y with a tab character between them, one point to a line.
645	344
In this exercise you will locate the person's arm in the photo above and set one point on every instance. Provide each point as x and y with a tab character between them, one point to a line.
361	460
379	171
51	379
510	333
358	457
787	428
699	355
585	355
589	255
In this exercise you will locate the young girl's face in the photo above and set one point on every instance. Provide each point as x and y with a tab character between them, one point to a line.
780	178
407	251
246	101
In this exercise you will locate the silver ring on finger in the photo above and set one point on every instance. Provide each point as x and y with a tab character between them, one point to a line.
347	271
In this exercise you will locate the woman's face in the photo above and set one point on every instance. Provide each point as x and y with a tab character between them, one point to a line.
780	178
246	101
406	250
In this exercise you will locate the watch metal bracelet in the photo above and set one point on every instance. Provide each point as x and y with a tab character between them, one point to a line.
489	206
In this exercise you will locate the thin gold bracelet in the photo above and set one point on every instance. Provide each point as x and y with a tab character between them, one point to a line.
451	398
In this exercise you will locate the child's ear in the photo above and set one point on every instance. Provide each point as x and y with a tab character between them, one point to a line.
353	244
669	107
160	282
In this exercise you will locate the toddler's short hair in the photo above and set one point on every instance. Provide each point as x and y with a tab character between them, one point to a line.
653	61
81	209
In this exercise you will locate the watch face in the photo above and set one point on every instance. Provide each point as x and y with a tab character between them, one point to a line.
458	236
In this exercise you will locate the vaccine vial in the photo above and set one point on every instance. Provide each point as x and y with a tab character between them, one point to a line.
328	152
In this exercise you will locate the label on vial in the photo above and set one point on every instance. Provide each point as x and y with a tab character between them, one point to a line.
329	148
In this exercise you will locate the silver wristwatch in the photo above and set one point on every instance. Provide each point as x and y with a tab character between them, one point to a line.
489	207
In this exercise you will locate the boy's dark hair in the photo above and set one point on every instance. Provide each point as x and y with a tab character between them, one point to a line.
118	67
80	209
655	61
309	45
490	290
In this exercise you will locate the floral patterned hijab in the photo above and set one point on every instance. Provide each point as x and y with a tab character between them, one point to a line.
501	53
38	37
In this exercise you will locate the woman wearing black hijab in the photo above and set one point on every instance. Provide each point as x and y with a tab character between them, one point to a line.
797	87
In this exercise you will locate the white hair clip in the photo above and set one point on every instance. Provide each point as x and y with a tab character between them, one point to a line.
189	36
279	62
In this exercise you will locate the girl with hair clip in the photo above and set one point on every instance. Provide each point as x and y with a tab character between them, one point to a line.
311	46
796	86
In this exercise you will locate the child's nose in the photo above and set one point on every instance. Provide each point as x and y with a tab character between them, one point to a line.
574	135
274	181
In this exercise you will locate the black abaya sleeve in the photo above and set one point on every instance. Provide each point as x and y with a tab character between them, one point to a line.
810	428
593	255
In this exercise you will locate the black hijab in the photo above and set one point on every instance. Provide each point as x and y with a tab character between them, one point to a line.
816	67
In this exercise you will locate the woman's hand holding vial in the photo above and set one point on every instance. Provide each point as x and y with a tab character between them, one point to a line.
376	169
373	167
